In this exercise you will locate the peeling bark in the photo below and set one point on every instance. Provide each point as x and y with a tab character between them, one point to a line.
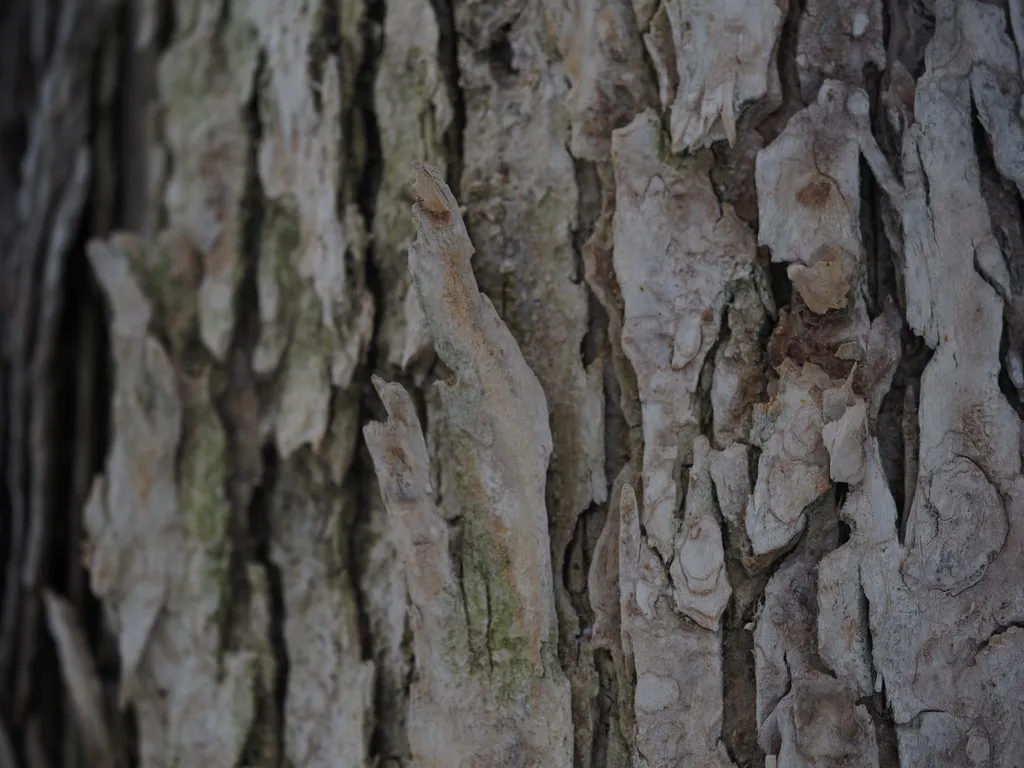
689	393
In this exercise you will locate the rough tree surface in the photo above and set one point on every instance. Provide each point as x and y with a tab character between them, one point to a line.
526	383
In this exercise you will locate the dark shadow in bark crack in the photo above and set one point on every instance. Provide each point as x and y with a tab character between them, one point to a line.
448	58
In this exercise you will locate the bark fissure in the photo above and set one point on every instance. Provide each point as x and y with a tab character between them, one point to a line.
260	533
234	396
325	41
255	468
788	73
448	58
364	150
367	152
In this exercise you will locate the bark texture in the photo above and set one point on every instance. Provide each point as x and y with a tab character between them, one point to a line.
537	383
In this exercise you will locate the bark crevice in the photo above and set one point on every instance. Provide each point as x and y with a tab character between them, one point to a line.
260	537
448	59
364	150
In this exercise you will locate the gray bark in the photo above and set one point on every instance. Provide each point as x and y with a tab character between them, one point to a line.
529	383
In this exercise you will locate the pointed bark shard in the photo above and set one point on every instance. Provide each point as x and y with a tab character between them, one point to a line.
484	634
844	440
400	460
687	342
528	200
658	42
881	359
78	671
429	192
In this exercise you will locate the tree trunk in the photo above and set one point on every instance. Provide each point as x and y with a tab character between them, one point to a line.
519	383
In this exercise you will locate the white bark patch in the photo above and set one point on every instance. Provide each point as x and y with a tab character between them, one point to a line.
139	493
962	547
785	646
792	471
835	366
996	86
844	439
808	191
724	60
610	80
413	112
676	251
937	605
658	42
678	695
700	585
843	640
739	378
205	132
873	376
331	687
417	337
958	529
730	472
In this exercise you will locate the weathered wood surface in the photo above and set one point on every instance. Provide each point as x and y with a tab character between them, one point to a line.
539	383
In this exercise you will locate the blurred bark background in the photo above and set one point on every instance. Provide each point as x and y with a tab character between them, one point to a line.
711	456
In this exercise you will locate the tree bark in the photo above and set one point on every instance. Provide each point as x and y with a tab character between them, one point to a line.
527	383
